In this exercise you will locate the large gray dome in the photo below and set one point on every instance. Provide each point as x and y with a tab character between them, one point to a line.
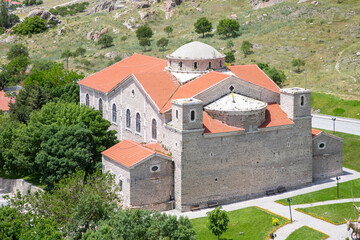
196	50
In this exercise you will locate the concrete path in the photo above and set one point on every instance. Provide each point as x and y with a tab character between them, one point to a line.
345	125
300	219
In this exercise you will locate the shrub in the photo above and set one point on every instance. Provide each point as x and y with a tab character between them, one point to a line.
144	32
168	30
230	57
228	27
31	25
123	38
69	10
2	30
276	75
275	221
106	41
162	43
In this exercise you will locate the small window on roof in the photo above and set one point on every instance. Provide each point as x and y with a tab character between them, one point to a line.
231	88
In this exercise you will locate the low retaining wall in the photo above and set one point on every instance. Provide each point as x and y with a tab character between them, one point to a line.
13	185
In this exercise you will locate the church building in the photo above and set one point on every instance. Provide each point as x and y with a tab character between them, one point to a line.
195	133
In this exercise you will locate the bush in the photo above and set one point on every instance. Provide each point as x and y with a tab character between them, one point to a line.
276	75
144	32
31	25
228	27
162	43
230	57
275	221
69	10
2	30
106	41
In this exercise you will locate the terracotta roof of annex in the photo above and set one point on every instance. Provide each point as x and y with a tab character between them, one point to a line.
315	132
130	153
5	101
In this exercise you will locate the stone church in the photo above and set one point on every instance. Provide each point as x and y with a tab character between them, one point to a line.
195	133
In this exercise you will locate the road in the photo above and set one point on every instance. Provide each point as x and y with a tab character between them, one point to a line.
345	125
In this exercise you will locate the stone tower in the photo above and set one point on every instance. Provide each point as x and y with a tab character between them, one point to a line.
187	114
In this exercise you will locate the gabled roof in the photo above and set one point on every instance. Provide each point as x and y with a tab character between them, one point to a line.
315	132
196	86
110	77
215	126
275	116
252	73
5	101
130	153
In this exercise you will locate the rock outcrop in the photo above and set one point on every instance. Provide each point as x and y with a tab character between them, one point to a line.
107	6
44	14
95	36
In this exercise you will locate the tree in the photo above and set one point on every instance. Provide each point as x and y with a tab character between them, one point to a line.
31	25
4	79
276	75
218	221
145	42
229	57
298	62
80	51
7	20
230	45
246	47
106	41
168	30
144	32
202	25
162	43
67	54
17	50
228	27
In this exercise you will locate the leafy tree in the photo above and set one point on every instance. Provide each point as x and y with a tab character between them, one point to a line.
218	221
18	65
145	42
7	20
106	41
202	25
144	32
7	131
276	75
168	30
229	57
228	27
31	25
17	50
298	62
246	47
67	54
162	43
230	45
2	30
80	51
4	79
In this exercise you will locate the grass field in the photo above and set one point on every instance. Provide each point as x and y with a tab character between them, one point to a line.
306	233
346	190
334	213
253	222
324	36
331	105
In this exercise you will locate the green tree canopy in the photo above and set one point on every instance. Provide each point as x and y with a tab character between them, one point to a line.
228	27
17	50
218	221
246	47
230	44
276	75
106	41
144	32
168	30
298	63
229	57
7	20
145	42
202	25
31	25
162	43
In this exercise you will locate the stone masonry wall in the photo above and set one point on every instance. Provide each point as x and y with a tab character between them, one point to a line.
202	65
327	162
14	185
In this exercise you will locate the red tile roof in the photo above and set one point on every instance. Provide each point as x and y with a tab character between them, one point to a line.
196	86
275	116
252	73
215	126
130	153
110	77
13	2
5	101
315	132
158	85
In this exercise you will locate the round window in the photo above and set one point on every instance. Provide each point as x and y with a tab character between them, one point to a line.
154	168
321	145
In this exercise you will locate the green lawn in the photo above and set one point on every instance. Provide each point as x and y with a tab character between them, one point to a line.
253	222
306	233
351	153
332	105
334	213
327	194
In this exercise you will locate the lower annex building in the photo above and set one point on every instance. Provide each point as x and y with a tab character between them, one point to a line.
195	133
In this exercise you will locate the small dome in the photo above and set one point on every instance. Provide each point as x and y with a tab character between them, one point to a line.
196	50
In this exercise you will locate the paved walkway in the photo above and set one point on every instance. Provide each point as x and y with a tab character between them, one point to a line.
345	125
300	219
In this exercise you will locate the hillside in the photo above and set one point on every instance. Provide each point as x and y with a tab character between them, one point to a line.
326	36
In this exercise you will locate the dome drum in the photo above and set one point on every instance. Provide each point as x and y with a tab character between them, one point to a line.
194	66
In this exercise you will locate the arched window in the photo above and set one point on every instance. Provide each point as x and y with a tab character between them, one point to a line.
192	115
114	119
128	118
138	122
302	100
87	100
195	65
153	129
180	64
220	63
209	65
100	105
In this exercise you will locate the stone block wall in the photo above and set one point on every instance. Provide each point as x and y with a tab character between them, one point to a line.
14	185
188	65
